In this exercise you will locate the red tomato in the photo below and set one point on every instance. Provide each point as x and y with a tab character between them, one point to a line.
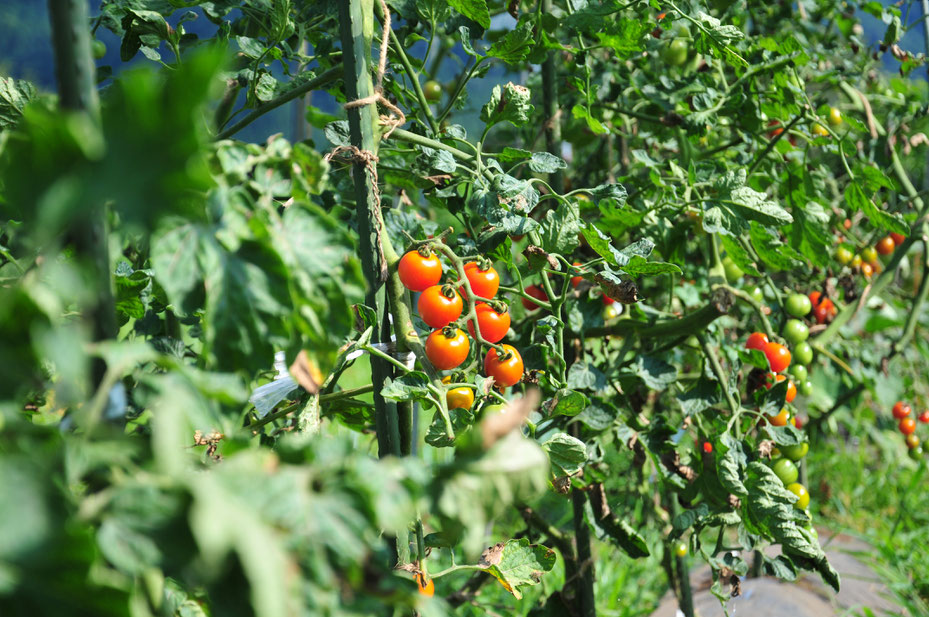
506	368
707	447
756	340
447	348
901	410
536	292
418	272
907	426
426	588
778	356
493	325
576	280
897	238
484	283
822	311
886	245
437	309
924	417
607	300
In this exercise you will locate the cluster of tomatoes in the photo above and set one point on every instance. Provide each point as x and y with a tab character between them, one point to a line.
867	261
440	306
785	459
903	412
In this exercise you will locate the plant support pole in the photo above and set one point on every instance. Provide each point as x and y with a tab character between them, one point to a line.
357	30
75	73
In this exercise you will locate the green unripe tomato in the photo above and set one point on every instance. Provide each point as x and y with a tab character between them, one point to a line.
795	331
803	353
798	372
916	453
844	255
798	305
869	254
432	90
755	292
493	408
675	53
785	470
795	453
99	49
733	271
835	116
803	497
805	387
612	311
680	548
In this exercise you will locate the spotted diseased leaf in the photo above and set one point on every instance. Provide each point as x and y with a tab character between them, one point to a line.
567	454
517	563
509	103
14	96
543	162
560	229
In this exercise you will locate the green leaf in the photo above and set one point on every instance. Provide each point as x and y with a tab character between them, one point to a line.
566	403
654	372
703	395
436	435
739	255
515	45
774	253
411	386
618	532
639	266
856	198
517	563
475	10
566	453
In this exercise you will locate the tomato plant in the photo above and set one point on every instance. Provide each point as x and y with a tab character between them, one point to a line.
292	238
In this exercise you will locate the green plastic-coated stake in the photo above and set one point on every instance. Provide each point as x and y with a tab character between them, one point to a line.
77	92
